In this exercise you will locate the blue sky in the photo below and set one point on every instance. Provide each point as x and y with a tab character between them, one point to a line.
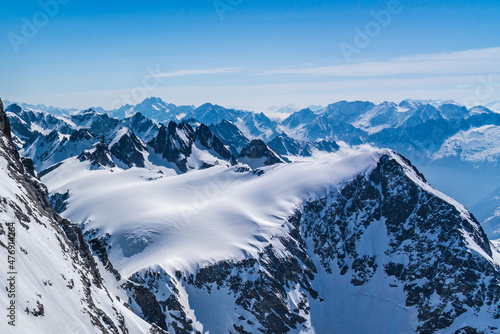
254	55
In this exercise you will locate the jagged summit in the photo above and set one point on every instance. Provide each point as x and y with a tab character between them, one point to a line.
189	148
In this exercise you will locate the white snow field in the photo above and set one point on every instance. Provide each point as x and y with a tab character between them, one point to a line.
184	221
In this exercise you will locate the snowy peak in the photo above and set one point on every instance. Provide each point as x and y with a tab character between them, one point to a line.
474	145
153	108
344	111
143	127
99	156
286	146
27	124
211	114
127	148
453	111
208	139
95	122
296	119
55	147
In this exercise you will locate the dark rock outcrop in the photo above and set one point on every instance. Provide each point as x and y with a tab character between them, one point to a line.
176	141
128	149
206	138
231	136
100	156
259	152
4	122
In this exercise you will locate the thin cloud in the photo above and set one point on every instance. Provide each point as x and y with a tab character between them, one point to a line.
182	73
452	63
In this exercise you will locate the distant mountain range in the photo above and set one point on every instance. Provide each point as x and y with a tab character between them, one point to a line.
435	135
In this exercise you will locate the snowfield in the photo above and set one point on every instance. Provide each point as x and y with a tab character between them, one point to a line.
200	217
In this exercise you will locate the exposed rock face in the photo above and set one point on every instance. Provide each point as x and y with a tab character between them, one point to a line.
50	149
231	136
95	122
143	127
4	122
172	146
441	277
26	125
128	149
258	154
284	145
99	156
211	141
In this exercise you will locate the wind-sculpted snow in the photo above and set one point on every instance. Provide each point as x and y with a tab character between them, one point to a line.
193	215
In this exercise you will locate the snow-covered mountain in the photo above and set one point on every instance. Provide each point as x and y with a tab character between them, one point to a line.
253	125
435	135
43	108
190	148
231	136
474	145
153	108
49	274
286	146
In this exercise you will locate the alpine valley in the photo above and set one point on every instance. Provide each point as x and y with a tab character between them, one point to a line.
159	218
